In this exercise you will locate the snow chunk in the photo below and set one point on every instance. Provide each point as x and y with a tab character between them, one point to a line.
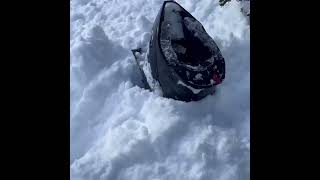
168	51
198	77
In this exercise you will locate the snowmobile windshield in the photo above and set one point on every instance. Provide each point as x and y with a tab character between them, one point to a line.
187	47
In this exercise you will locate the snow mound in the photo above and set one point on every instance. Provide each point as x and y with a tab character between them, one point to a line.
121	131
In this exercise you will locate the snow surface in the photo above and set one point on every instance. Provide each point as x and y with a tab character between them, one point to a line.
121	131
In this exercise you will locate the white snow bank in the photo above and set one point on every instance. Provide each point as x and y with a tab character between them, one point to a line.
120	131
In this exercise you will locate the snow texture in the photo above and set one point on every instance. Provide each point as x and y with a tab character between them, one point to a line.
146	68
119	131
168	51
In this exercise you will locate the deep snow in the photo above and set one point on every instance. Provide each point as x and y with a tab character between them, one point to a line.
121	131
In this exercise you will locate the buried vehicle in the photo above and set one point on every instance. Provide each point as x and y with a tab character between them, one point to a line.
181	59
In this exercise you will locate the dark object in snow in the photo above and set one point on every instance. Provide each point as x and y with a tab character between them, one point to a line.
183	58
144	79
223	2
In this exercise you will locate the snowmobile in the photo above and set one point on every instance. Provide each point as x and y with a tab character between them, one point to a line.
181	60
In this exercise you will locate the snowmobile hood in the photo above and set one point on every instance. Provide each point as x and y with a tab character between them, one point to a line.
187	47
181	57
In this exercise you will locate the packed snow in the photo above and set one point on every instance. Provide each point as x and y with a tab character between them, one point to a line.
119	130
146	69
168	51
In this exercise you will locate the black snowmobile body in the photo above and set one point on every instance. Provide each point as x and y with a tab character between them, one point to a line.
183	58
